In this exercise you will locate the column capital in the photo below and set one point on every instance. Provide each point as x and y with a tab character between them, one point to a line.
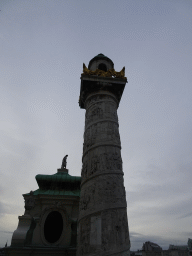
91	84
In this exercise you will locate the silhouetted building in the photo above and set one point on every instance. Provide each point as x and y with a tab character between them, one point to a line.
149	246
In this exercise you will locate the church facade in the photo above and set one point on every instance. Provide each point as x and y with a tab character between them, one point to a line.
49	223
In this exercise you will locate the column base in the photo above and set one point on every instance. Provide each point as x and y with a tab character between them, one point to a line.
62	171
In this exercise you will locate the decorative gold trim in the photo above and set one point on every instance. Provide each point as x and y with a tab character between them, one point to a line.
109	73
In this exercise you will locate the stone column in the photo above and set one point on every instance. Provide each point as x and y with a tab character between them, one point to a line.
102	225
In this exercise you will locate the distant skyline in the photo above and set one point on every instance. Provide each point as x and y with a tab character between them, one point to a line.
44	45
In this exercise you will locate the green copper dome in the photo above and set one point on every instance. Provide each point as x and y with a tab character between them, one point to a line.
58	184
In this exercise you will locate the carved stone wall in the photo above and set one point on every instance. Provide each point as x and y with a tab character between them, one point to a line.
103	226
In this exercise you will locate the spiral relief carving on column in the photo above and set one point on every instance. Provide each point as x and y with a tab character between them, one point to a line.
103	226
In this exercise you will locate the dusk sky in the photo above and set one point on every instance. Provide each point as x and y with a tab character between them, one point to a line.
44	44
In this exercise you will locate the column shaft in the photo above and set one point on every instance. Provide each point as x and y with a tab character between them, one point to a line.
103	226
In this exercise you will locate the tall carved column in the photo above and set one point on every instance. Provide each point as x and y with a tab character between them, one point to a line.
103	225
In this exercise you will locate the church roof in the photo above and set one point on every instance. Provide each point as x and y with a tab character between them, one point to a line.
58	184
56	192
57	177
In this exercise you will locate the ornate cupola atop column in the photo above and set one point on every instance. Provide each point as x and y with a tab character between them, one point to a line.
101	75
101	62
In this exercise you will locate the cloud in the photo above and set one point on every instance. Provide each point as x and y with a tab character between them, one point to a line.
154	202
162	191
137	240
189	234
185	215
7	232
10	208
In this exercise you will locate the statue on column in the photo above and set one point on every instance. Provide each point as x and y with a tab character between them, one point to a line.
64	162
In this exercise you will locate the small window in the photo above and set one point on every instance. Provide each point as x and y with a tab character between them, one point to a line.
53	227
103	67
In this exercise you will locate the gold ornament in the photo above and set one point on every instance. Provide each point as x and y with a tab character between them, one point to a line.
99	72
